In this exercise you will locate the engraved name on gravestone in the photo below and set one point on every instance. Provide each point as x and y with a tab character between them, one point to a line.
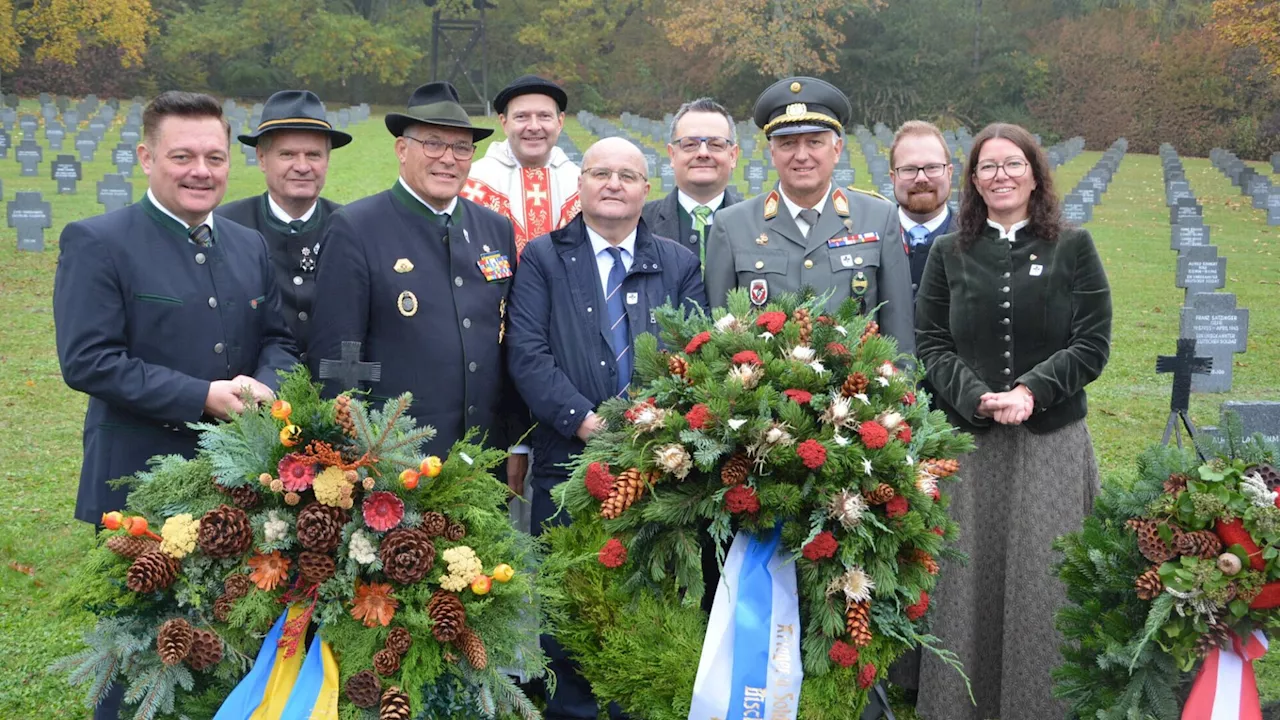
1220	330
54	133
98	128
114	192
842	176
29	155
1200	270
131	134
755	177
1075	211
5	141
1258	416
125	156
29	215
1176	190
1185	209
668	175
1188	234
1087	195
71	118
1273	207
86	145
65	170
28	124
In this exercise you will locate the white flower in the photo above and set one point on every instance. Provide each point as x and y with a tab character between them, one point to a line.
766	335
838	412
884	381
866	465
886	369
748	375
840	329
890	420
674	459
275	528
854	583
1255	488
736	423
926	481
818	367
863	397
361	548
803	353
847	507
840	440
727	323
778	435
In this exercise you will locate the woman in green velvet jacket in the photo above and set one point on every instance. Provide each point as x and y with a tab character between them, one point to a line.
1013	319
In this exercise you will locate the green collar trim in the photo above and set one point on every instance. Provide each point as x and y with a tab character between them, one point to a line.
418	207
166	222
283	228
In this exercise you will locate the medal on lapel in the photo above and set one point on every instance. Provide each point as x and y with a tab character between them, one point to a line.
860	283
308	262
407	303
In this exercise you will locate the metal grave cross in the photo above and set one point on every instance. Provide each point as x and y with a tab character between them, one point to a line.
348	369
1183	366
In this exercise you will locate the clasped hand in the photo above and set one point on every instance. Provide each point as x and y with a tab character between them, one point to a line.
233	396
1007	408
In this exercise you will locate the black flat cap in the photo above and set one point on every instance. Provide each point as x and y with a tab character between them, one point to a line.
800	105
530	85
294	110
435	103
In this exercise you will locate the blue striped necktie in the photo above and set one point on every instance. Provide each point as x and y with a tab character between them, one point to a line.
618	324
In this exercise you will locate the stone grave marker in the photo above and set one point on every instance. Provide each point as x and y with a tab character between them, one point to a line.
1273	206
1220	330
29	214
1177	189
1258	416
62	102
1188	234
114	192
28	124
29	155
1275	162
5	141
344	118
86	145
125	156
885	187
1185	209
668	174
71	118
1088	195
1075	211
98	128
842	176
65	169
12	100
8	116
250	154
1200	270
54	134
48	112
131	134
756	174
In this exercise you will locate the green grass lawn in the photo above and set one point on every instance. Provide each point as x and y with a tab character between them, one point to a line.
40	418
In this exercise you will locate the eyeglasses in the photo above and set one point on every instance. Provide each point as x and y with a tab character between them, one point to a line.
603	175
433	148
692	144
1015	167
911	172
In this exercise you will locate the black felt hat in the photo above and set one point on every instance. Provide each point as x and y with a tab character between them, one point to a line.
530	85
294	110
801	105
435	103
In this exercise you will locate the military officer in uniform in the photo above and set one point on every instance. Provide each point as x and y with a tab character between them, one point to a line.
420	276
807	232
293	141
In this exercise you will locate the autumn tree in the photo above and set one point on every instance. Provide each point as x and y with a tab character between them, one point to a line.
1251	24
9	40
57	29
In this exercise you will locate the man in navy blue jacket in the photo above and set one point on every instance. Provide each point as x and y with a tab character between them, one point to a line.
581	297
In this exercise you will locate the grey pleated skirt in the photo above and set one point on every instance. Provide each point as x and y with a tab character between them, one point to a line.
1018	492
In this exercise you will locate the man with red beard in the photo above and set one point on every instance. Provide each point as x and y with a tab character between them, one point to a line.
526	177
921	173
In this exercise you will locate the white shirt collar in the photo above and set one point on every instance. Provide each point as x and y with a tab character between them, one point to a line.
1013	231
932	225
599	244
152	197
689	203
447	211
795	209
283	216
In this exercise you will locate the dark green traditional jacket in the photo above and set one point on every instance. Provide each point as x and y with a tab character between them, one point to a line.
1000	314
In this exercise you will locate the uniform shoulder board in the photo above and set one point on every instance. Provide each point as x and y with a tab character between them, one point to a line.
872	193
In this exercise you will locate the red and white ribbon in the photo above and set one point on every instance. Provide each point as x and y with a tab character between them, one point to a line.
1225	688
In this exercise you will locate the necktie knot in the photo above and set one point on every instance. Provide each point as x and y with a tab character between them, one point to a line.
810	216
918	235
201	235
296	225
700	215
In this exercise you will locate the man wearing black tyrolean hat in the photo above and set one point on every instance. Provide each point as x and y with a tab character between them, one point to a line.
293	141
420	277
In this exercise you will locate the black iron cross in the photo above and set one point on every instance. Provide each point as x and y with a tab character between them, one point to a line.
1183	366
349	370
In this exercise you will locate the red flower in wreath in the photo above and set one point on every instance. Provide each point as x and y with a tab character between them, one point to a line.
812	453
897	507
772	321
909	398
599	481
613	554
843	654
632	412
746	357
697	416
698	341
821	547
801	397
740	499
938	531
904	433
873	435
867	676
383	511
917	611
835	349
297	472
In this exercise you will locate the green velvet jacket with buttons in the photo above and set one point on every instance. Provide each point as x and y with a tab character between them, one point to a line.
999	314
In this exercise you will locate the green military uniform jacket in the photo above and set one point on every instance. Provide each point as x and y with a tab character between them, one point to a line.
1002	314
854	251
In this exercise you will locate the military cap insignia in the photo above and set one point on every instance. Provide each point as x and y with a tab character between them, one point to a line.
860	283
797	109
759	291
403	265
841	202
407	303
763	239
771	205
795	87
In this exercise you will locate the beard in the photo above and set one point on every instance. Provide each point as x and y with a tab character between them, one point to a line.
923	202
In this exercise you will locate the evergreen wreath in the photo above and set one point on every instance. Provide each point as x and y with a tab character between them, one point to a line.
1164	571
755	417
408	565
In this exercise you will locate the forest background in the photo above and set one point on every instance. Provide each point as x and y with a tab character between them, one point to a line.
1197	73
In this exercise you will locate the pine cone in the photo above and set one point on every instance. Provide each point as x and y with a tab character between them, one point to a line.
627	488
854	384
399	641
940	467
151	571
342	415
237	586
407	555
364	689
130	546
1176	483
320	527
206	650
472	648
1217	636
315	568
872	329
245	497
395	705
1148	585
735	470
434	524
173	641
386	662
805	322
447	613
677	366
225	532
1203	544
455	531
1150	544
222	608
882	494
858	623
925	559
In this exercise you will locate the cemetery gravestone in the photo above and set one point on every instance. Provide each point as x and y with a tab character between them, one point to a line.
28	124
1074	209
1200	270
65	169
30	215
1256	417
125	157
1188	234
71	118
668	174
114	192
1273	206
1185	209
131	134
54	134
755	177
250	154
1220	330
842	176
29	155
86	145
4	144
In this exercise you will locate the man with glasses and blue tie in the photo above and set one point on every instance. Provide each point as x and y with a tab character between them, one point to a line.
704	153
921	174
420	277
583	294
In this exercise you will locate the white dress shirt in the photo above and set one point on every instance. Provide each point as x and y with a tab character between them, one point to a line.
795	209
1013	230
604	259
283	216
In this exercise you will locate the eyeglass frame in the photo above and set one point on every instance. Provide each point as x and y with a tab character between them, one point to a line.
604	181
901	171
452	147
729	143
977	171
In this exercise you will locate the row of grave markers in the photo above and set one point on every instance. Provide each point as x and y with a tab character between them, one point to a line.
1258	188
1077	205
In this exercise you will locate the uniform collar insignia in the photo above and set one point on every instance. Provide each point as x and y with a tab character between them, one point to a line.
771	205
841	203
403	265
